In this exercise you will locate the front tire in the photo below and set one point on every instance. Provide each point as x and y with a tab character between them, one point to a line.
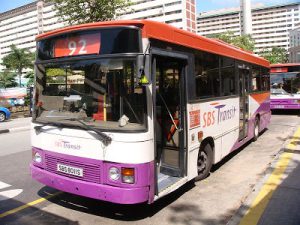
256	129
204	162
2	117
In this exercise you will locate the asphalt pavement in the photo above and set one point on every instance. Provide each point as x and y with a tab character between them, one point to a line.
16	124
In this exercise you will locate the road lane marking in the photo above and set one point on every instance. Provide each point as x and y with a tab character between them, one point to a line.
261	201
15	210
4	185
4	195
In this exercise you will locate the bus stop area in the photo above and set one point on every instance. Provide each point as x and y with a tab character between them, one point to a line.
275	199
259	184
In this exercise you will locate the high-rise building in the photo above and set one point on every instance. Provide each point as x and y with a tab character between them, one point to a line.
20	26
294	50
179	13
270	25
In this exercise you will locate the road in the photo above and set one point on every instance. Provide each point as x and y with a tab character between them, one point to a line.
212	201
15	123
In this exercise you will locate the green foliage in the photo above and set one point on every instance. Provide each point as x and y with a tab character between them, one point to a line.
276	55
30	77
18	60
7	79
245	42
53	72
82	11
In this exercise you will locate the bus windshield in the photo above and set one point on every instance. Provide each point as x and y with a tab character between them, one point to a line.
102	93
289	82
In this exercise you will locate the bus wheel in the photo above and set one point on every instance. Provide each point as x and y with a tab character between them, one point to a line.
2	116
256	129
204	162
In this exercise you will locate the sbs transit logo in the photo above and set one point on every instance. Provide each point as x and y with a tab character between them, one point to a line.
219	114
66	145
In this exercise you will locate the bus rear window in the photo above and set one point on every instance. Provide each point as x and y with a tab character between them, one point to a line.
101	41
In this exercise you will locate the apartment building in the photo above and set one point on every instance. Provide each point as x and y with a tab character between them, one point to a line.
179	13
270	25
20	26
294	50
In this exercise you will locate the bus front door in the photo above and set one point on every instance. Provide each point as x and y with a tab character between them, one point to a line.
244	76
169	99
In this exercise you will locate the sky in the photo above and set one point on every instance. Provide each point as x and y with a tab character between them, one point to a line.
202	5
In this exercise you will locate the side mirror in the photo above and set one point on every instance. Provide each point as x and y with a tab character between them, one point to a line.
143	73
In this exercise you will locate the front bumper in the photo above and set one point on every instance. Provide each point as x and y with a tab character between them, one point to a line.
92	190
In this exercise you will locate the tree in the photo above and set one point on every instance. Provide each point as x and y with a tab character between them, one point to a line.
83	11
7	79
30	77
18	60
276	55
244	41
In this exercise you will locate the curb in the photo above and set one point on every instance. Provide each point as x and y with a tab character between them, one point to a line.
16	129
4	131
241	211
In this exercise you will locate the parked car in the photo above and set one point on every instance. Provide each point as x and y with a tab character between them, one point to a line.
4	114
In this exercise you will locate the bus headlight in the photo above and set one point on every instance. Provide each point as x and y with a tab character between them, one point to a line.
128	175
37	157
114	173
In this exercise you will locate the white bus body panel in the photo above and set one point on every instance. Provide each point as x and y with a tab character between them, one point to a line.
216	119
125	147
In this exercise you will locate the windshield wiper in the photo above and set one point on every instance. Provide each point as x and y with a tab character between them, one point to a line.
105	138
39	127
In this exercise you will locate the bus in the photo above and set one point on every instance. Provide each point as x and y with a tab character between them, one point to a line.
285	86
129	111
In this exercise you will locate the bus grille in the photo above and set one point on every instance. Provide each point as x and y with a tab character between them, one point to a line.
91	173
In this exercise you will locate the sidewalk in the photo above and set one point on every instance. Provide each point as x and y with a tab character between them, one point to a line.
276	200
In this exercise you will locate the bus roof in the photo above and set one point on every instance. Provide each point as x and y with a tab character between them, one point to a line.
171	34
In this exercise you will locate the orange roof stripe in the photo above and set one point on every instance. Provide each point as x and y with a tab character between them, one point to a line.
164	32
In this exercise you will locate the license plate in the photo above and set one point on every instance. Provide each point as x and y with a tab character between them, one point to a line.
70	170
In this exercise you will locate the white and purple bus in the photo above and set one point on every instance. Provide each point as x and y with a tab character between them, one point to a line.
129	111
285	86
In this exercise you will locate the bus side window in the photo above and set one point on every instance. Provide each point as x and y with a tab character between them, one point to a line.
228	80
265	79
256	79
207	75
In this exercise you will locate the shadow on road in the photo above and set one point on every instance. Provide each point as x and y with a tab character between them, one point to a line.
285	112
116	211
30	215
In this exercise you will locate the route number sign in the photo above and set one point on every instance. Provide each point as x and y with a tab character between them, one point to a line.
77	45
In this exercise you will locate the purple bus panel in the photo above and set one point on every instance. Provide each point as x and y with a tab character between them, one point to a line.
285	103
94	182
264	113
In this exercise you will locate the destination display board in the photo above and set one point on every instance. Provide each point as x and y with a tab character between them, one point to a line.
77	45
92	42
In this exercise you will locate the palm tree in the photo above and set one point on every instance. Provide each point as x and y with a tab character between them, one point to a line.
7	79
18	60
